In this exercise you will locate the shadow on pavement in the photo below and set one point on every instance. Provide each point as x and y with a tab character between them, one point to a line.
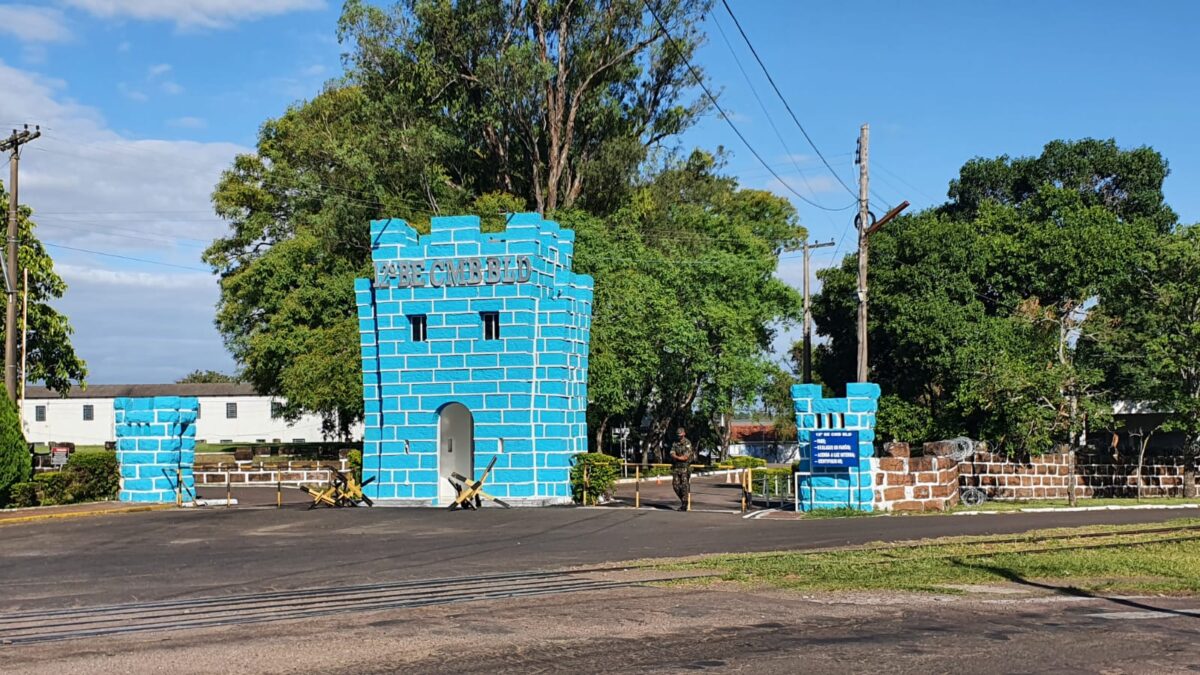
1073	591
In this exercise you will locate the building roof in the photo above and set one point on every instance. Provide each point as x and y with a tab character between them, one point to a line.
144	390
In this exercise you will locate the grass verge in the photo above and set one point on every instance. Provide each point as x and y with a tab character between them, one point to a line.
1093	560
1062	503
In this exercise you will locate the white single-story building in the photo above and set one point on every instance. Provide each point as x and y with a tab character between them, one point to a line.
229	413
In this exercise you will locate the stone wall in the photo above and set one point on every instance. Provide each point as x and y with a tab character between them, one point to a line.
156	443
1048	476
827	487
292	474
905	483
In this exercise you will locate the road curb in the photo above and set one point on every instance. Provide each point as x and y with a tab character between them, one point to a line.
82	514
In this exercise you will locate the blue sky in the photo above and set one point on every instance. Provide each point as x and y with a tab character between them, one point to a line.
145	101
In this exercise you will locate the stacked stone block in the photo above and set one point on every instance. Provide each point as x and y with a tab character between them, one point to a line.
156	446
824	487
907	483
527	391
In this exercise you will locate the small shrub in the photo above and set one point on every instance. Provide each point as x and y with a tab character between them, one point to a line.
53	487
93	475
23	494
15	461
602	473
746	462
354	459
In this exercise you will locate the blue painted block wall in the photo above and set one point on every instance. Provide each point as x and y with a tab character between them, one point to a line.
156	447
830	488
527	391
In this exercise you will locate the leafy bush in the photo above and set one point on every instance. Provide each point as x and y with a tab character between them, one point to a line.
53	487
746	462
15	461
92	475
23	494
354	459
602	473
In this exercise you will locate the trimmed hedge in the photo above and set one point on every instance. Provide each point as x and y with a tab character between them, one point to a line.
747	462
87	477
23	494
354	460
94	475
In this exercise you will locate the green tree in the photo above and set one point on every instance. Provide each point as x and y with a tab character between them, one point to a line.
50	358
15	461
207	377
444	108
1145	336
685	300
976	305
557	101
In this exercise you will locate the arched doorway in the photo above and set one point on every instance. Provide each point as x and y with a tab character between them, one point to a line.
456	447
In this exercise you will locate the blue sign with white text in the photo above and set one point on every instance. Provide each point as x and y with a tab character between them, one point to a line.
834	449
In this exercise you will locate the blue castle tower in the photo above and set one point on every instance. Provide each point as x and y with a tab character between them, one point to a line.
474	347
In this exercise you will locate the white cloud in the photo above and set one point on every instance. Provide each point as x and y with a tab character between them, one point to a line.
131	93
188	123
124	47
807	185
28	23
93	188
194	13
171	88
159	69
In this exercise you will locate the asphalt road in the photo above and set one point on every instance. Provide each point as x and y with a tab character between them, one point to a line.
184	553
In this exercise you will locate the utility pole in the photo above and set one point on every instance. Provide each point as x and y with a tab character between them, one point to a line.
866	228
864	137
808	313
13	144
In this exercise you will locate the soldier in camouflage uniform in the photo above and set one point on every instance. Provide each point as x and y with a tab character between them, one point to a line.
681	467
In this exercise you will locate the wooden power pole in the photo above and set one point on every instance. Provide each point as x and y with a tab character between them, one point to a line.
864	137
13	144
866	228
808	313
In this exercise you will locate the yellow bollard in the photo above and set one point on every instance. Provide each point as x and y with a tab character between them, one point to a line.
178	487
586	484
279	494
689	501
637	487
228	490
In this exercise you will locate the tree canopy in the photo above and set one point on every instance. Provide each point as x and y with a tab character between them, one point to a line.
977	305
567	108
207	377
50	358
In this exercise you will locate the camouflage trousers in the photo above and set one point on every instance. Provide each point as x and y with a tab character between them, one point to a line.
681	480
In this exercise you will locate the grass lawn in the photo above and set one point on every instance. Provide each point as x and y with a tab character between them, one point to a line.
1091	559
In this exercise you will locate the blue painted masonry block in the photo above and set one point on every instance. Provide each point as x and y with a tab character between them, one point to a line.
526	389
826	487
156	447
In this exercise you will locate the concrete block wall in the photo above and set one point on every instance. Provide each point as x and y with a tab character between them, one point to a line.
527	391
156	446
826	488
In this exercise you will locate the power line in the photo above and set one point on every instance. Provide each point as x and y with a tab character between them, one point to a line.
770	120
712	99
124	257
781	98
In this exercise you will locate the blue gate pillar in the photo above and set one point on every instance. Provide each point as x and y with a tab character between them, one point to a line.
827	480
